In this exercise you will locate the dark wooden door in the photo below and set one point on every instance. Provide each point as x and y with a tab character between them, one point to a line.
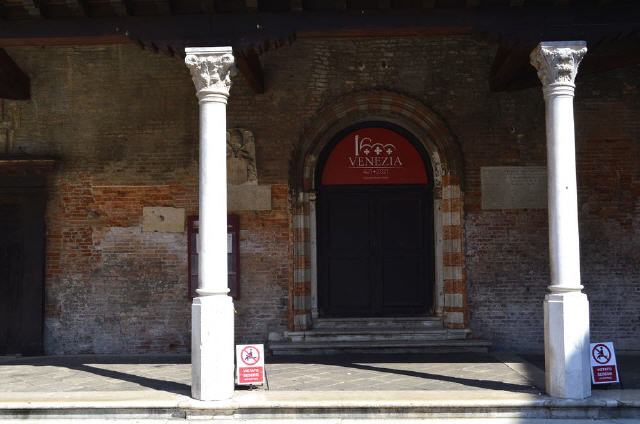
375	255
21	271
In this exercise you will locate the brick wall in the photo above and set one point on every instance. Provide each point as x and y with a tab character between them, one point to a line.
124	123
265	247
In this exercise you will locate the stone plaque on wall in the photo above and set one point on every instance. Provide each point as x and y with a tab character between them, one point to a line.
163	219
248	198
514	187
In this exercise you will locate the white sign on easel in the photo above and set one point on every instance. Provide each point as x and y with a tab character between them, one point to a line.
250	364
604	369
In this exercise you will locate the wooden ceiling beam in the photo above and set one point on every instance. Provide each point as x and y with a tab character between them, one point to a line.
511	70
121	7
78	7
251	5
295	5
33	8
14	82
249	65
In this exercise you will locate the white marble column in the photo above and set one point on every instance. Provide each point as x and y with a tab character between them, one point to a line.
212	327
566	308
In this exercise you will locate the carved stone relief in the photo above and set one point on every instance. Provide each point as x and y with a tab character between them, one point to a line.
241	157
243	191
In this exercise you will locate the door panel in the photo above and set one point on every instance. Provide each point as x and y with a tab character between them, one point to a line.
348	216
349	285
375	253
401	220
402	252
11	275
402	284
345	254
21	270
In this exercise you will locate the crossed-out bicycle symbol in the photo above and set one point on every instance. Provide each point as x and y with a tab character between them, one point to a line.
250	355
601	354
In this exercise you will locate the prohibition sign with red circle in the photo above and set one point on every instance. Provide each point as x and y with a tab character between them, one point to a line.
250	355
601	353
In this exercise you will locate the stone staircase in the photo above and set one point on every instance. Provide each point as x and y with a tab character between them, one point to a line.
376	335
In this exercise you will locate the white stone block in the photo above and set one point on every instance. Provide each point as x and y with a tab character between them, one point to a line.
454	318
212	348
453	273
163	219
454	245
453	300
298	221
451	192
566	334
451	218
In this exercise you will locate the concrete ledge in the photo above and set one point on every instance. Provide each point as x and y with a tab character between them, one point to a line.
262	405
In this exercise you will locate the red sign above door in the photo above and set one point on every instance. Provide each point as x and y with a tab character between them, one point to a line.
374	156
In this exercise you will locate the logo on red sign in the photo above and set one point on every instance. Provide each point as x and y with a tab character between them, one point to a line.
374	156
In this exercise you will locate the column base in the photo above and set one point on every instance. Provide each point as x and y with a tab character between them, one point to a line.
212	348
566	345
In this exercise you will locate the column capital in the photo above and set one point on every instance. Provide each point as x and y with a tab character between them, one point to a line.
211	70
557	61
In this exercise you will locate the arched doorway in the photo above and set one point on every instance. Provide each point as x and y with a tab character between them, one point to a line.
444	158
375	224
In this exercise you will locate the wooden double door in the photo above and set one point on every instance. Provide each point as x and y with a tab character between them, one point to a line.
375	250
21	269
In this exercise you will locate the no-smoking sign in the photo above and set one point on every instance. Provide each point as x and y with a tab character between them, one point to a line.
604	369
250	364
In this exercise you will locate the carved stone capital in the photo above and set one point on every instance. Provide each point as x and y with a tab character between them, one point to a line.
557	61
211	69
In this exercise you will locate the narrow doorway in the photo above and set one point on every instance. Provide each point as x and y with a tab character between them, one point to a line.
21	267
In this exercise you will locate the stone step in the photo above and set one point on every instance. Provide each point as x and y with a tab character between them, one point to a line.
378	323
369	334
378	346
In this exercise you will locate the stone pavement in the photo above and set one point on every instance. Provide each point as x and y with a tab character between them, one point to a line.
471	371
327	373
330	389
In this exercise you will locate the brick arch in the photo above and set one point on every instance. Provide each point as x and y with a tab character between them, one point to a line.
446	160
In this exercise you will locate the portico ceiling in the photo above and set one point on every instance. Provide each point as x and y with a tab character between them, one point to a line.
57	9
610	27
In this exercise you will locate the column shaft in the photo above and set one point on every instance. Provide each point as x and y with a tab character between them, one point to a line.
213	198
564	241
566	308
